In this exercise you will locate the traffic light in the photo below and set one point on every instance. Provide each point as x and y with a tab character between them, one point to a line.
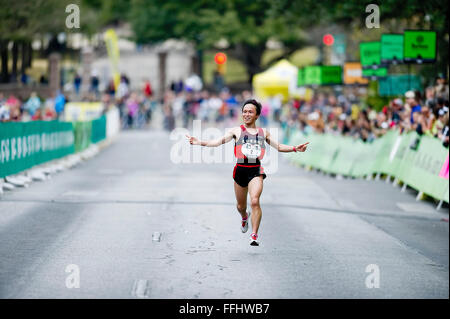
328	39
220	59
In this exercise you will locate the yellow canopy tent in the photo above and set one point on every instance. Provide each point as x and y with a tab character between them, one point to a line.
275	80
281	79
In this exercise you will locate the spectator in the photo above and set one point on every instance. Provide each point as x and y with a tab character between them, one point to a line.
4	109
33	104
132	105
94	83
441	87
123	89
413	101
13	105
111	88
147	89
60	102
77	84
396	110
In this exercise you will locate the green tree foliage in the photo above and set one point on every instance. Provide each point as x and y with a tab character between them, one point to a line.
245	25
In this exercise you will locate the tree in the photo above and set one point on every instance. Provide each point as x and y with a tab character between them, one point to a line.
245	25
22	21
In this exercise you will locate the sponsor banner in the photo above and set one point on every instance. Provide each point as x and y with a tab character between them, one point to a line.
23	145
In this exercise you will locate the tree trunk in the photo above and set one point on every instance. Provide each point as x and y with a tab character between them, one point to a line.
24	57
4	58
253	56
15	58
29	54
42	53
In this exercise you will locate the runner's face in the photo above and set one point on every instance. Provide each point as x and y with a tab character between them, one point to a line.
249	114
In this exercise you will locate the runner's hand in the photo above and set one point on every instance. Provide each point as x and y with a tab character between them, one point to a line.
193	140
301	147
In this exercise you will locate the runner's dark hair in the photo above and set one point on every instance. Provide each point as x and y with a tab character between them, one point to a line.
255	103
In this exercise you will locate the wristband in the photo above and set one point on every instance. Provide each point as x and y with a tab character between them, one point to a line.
294	149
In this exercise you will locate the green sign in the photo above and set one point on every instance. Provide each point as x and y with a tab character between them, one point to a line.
312	75
370	54
398	84
301	77
419	46
331	74
377	73
391	48
320	75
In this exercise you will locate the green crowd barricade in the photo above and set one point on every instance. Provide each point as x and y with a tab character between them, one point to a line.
23	145
420	167
82	132
401	155
363	162
295	138
398	145
26	144
383	148
344	156
415	160
328	150
98	129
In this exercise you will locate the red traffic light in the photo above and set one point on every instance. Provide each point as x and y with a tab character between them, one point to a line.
328	39
220	58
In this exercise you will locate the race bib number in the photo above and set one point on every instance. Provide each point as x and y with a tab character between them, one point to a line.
251	150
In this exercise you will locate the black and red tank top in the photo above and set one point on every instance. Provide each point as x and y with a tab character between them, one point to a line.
250	148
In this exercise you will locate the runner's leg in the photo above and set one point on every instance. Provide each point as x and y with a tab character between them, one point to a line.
255	187
241	199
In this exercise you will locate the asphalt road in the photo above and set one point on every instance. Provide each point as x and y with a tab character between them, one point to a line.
319	235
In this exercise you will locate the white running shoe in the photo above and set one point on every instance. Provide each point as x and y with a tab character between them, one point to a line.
244	223
254	240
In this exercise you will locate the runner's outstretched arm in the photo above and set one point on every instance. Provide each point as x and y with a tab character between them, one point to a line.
212	143
283	147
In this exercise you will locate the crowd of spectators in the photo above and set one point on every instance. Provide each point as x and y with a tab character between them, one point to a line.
427	114
180	108
34	108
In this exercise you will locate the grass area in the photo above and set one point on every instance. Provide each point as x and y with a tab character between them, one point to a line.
300	58
235	69
306	56
39	67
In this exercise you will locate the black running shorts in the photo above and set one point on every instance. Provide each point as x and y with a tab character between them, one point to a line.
243	174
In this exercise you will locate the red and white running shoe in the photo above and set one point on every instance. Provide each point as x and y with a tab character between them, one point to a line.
244	223
254	240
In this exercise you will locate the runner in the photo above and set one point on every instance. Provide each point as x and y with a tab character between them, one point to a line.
248	174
